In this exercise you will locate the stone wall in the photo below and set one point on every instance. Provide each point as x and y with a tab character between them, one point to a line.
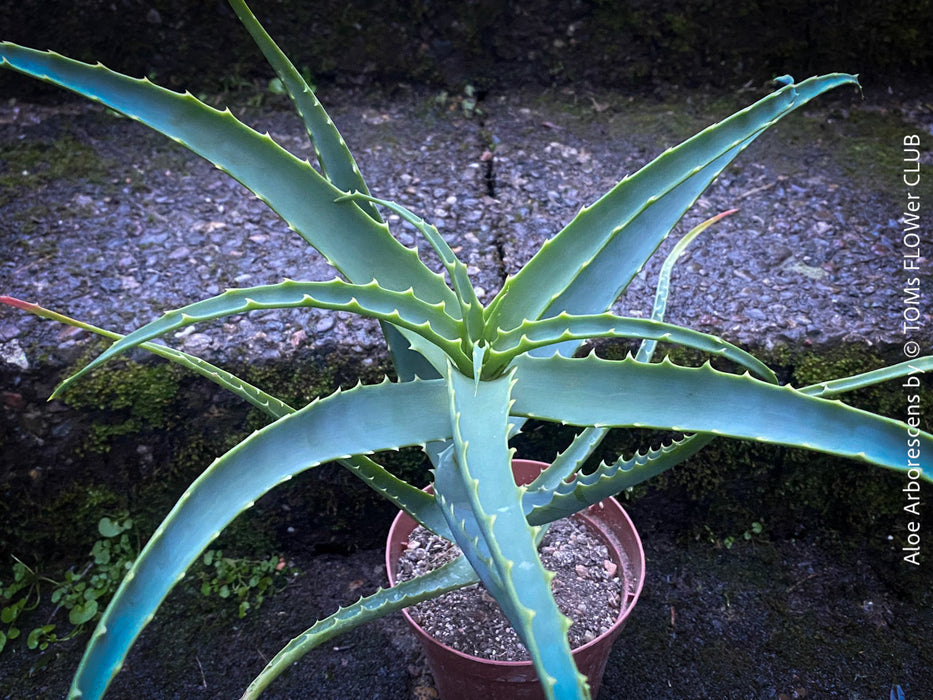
487	42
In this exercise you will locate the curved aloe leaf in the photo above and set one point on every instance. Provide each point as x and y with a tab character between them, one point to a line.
470	308
553	500
586	266
401	309
591	391
337	163
834	387
545	505
646	350
268	404
363	419
567	463
418	504
453	575
507	560
563	327
359	247
421	506
408	363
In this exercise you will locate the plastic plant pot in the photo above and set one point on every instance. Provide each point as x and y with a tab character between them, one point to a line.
460	676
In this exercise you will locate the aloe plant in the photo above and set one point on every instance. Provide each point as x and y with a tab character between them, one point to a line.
469	374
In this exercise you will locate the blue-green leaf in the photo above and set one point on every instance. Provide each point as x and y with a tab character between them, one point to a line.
267	403
337	163
646	349
418	504
478	482
402	309
548	500
450	577
584	268
563	327
360	420
545	505
591	391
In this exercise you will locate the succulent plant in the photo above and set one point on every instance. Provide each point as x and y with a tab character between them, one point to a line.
469	375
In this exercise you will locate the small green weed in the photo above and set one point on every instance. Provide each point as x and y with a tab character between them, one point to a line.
79	593
466	103
247	581
755	529
20	596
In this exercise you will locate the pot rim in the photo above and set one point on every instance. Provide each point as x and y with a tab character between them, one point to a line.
632	596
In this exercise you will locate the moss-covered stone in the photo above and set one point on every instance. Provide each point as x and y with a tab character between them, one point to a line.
127	396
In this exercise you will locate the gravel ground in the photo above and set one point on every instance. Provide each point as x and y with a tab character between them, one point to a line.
813	256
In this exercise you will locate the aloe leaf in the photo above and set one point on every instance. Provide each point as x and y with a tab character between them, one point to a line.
453	497
480	479
586	442
591	391
360	420
402	309
563	327
545	505
471	309
453	575
408	363
337	163
551	500
359	247
268	404
568	462
834	387
585	267
646	350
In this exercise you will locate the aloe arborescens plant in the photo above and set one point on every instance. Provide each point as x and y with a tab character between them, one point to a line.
469	374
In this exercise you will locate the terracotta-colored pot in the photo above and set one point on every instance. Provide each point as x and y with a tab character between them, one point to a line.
460	676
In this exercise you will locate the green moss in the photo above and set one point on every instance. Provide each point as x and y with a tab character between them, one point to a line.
29	164
130	396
